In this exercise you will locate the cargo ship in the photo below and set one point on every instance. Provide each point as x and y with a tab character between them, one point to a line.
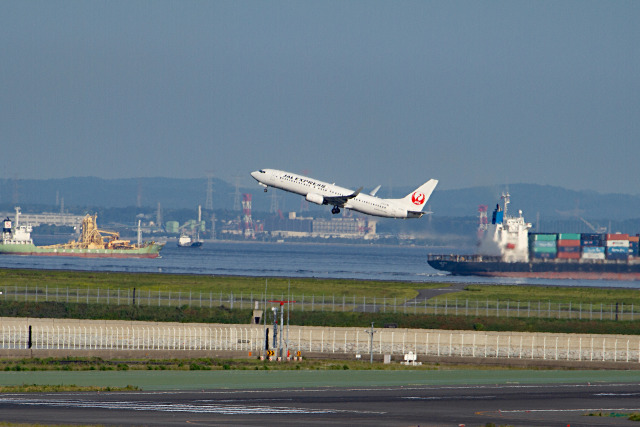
93	243
185	241
506	248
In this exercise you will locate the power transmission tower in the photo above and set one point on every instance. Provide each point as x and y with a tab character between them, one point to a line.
159	216
274	202
208	204
139	195
236	194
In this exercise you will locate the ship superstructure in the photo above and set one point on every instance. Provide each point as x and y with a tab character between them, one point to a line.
507	236
18	235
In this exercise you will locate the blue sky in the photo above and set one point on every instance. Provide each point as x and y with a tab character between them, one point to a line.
357	92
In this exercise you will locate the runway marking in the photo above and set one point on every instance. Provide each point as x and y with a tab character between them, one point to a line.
448	397
616	394
172	407
512	411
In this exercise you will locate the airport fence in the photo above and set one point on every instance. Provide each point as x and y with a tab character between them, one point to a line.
330	303
53	334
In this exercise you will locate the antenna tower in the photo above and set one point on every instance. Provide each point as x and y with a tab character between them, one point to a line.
208	204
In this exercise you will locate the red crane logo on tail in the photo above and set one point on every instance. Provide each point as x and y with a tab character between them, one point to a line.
417	198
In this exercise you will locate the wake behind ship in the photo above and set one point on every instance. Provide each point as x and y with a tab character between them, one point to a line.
93	243
507	249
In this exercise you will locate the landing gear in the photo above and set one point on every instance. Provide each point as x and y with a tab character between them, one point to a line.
265	190
335	210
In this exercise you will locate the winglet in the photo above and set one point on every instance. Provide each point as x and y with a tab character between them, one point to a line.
355	194
374	191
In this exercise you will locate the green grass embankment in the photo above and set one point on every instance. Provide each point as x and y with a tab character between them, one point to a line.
144	282
57	282
555	294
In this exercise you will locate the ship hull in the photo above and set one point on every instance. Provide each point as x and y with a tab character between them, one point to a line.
603	270
197	244
149	251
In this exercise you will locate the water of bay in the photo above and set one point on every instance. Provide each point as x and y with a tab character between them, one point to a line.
363	262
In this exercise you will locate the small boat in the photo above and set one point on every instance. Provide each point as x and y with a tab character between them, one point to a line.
185	241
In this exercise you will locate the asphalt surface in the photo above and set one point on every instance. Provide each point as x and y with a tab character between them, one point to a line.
469	405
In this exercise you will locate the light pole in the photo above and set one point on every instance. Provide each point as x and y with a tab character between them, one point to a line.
371	332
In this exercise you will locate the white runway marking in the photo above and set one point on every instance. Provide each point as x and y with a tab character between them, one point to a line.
449	397
173	407
563	410
616	394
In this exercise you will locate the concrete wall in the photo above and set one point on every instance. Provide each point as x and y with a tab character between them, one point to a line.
156	340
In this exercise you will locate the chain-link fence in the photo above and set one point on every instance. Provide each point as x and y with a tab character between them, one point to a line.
331	303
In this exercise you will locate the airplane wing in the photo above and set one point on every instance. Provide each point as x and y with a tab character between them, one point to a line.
341	200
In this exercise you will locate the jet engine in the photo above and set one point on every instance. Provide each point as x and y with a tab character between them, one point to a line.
315	198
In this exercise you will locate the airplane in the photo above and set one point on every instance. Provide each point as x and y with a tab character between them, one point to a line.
323	193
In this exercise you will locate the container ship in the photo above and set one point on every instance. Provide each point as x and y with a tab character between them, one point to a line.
506	248
93	243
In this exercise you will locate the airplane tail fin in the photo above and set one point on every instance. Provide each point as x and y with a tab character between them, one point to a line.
417	199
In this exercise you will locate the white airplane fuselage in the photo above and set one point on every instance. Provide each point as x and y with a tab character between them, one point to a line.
323	193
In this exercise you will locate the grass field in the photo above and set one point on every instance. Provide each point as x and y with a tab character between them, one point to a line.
205	284
144	282
548	293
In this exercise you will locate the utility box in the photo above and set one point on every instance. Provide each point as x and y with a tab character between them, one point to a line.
256	317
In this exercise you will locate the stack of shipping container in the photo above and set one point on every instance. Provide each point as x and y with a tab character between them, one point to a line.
543	246
584	246
592	246
633	246
569	246
617	246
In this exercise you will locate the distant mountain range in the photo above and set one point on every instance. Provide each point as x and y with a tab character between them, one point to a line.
546	201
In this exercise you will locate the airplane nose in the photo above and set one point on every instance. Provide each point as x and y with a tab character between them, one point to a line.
253	174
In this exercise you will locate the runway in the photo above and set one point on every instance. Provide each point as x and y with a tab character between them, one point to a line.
469	405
